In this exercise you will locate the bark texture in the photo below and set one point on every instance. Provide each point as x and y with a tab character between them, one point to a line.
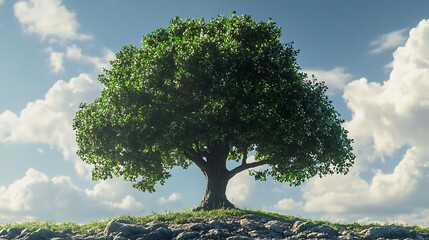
215	196
217	177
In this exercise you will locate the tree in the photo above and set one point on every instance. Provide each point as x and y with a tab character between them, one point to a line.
206	93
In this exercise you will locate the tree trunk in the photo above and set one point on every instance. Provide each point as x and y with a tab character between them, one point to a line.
217	177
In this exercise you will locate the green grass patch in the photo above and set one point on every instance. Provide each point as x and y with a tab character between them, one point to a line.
187	216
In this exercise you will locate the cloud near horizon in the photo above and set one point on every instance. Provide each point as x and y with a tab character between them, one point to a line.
171	198
37	196
388	118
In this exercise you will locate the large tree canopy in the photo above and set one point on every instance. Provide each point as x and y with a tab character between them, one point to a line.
205	93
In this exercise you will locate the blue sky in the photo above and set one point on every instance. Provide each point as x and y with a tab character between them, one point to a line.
373	55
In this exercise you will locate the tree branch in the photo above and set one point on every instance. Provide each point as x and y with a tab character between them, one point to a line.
196	157
246	166
244	159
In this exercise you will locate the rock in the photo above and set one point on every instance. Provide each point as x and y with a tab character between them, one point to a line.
288	233
324	230
187	236
160	233
255	234
300	226
348	235
216	233
12	233
152	226
387	232
318	235
198	227
239	238
313	231
231	228
276	226
119	237
249	223
42	234
92	238
124	228
67	231
115	226
216	223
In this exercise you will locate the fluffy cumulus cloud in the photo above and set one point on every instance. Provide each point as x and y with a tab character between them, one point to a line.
48	120
37	196
335	79
241	188
2	2
49	19
112	190
388	41
389	121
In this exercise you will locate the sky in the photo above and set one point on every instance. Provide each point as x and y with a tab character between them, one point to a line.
373	56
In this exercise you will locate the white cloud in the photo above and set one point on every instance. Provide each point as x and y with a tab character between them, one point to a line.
115	194
387	118
56	60
2	2
242	186
416	216
109	189
75	53
36	196
49	120
127	203
101	62
335	194
15	197
395	112
389	40
172	198
49	19
387	195
35	193
335	79
288	204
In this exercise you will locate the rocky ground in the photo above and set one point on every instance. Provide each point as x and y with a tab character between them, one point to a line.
233	228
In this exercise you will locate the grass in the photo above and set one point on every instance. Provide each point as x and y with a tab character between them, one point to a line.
187	216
